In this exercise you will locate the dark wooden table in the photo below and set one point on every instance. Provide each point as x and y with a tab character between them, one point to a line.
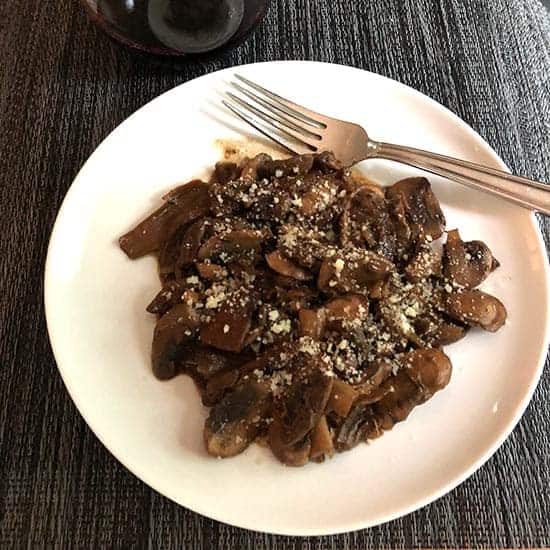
64	87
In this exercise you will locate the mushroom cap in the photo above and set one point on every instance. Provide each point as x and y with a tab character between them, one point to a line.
174	328
235	421
304	404
296	454
232	243
476	308
353	271
430	368
356	426
467	264
421	207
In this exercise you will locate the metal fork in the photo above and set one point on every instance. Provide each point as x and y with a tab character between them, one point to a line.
300	130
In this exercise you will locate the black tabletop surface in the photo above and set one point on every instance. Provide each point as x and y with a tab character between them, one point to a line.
64	86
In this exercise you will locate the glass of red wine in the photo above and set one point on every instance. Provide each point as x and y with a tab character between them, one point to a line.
177	27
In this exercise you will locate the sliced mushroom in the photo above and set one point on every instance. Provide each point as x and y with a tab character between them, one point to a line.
326	162
211	272
304	247
356	427
399	226
170	294
476	308
174	328
276	357
320	194
426	372
350	309
235	422
342	397
375	374
228	329
296	166
194	195
286	283
151	232
374	268
252	167
321	441
354	180
467	264
233	243
225	172
425	263
430	369
183	205
448	333
297	298
365	220
296	454
210	369
353	272
229	198
219	384
304	405
207	362
191	243
399	324
168	256
397	404
439	331
371	395
280	264
312	322
422	210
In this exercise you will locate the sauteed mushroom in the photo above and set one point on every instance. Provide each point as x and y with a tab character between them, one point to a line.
280	264
476	308
467	264
352	271
308	306
234	422
176	326
183	205
232	244
422	209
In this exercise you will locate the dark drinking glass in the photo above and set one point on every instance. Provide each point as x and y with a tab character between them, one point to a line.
177	27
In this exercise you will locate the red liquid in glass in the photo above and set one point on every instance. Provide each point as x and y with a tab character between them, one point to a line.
178	27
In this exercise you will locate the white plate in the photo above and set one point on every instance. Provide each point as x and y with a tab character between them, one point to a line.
100	333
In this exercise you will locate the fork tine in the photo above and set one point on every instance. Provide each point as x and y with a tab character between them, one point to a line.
273	122
295	110
275	111
246	117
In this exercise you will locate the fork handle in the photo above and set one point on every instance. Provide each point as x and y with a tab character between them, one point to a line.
525	192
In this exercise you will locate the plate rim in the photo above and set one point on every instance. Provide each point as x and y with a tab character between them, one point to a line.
355	525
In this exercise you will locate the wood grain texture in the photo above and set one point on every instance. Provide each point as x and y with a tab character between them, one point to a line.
64	86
